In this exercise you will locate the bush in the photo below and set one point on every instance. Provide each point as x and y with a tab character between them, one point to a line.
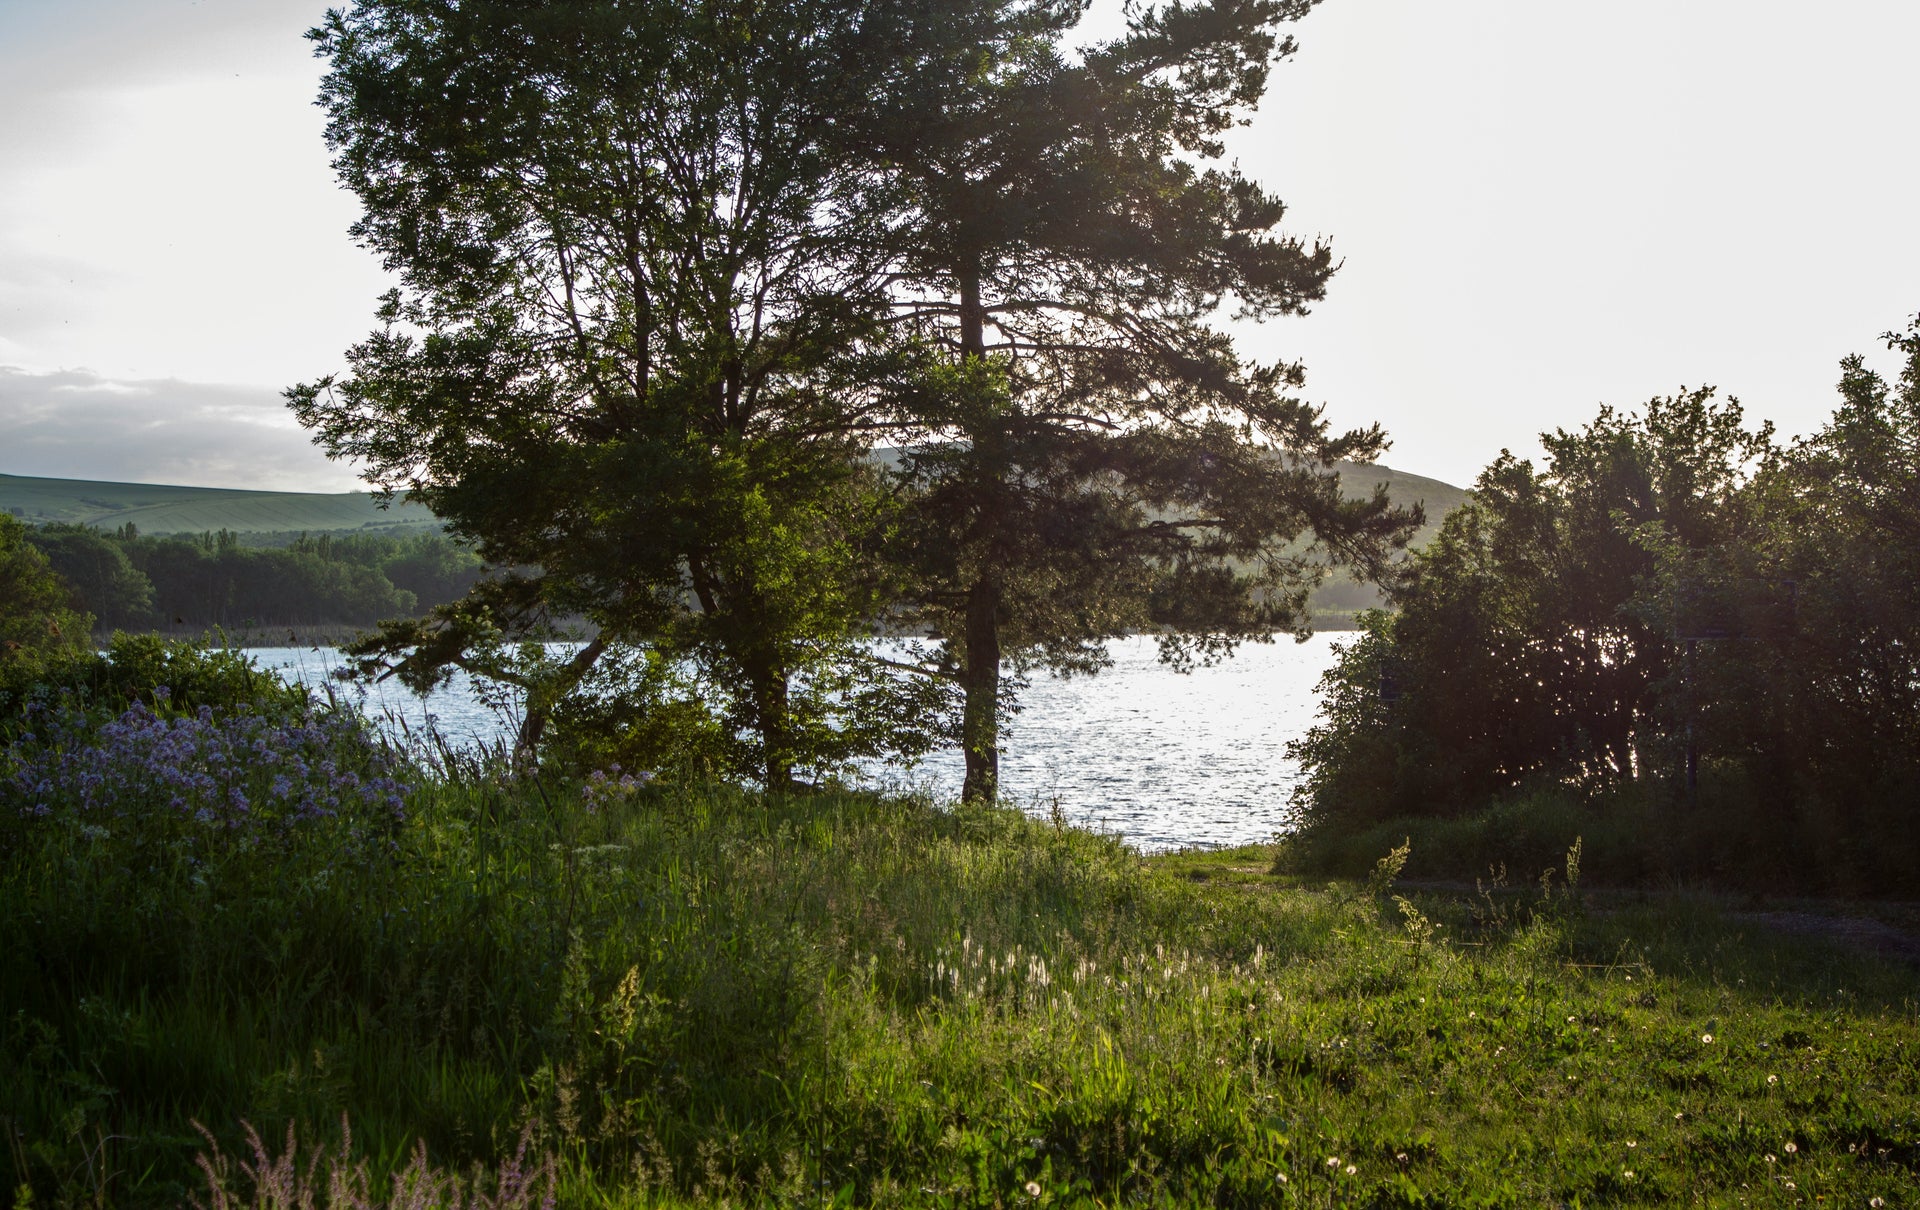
199	791
137	668
1669	592
163	836
35	622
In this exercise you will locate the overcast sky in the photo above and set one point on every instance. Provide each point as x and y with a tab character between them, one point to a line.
1540	205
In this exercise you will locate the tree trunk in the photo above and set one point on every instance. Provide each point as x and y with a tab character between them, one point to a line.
769	690
973	316
980	717
980	678
766	683
541	699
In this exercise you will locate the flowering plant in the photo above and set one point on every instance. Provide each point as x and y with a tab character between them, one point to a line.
604	788
148	791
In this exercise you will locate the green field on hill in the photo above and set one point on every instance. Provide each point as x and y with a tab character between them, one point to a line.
166	509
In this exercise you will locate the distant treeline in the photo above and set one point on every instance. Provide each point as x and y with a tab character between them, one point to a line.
131	581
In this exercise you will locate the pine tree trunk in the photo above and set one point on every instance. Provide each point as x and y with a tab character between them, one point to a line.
980	718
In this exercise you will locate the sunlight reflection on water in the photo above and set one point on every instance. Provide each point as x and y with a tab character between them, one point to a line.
1167	760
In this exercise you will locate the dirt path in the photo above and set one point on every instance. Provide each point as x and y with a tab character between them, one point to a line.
1858	932
1828	919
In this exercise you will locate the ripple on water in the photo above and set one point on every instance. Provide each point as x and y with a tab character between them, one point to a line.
1166	759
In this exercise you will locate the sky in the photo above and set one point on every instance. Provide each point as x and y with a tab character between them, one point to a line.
1539	207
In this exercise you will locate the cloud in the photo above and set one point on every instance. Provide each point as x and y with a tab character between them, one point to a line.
169	208
76	45
75	424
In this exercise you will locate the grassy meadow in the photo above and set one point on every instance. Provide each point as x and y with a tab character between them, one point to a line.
166	509
619	994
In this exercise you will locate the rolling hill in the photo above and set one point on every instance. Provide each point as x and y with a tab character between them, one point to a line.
1359	479
164	509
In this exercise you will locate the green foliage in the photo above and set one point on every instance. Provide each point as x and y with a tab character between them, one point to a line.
214	580
1514	654
1817	710
1084	450
1672	591
669	279
217	582
186	675
96	569
636	710
35	621
688	996
433	568
630	355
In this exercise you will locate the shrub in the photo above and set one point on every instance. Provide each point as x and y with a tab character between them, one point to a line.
138	668
35	623
159	834
1673	616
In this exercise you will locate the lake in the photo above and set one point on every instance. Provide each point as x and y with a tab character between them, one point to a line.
1166	759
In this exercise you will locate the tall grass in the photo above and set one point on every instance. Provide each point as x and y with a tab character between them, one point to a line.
1648	834
701	994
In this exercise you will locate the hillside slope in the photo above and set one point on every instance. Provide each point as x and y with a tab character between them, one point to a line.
1359	479
166	509
1335	602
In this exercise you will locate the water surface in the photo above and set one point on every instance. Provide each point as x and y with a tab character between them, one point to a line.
1165	758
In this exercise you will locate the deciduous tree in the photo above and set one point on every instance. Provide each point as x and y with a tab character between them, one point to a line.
1531	640
624	356
35	620
103	581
